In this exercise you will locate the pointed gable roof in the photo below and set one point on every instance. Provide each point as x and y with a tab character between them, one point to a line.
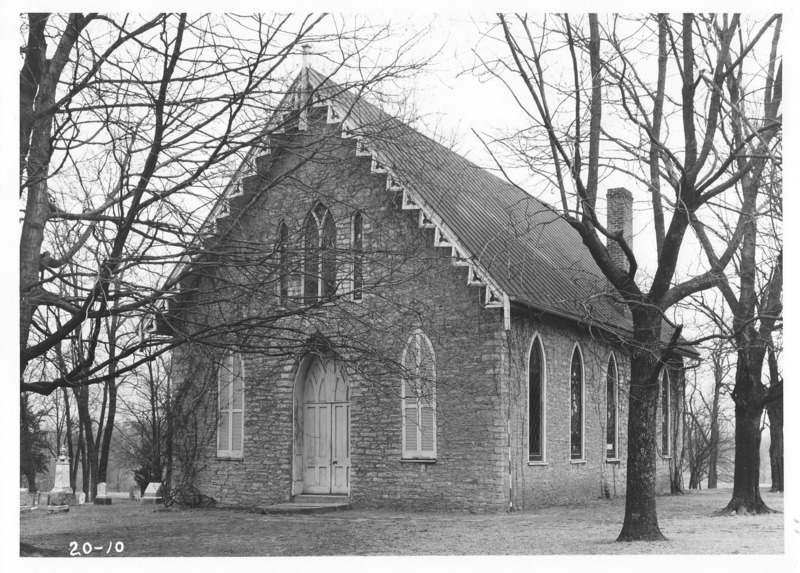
519	247
531	253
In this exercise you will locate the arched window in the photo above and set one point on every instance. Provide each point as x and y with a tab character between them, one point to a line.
358	256
230	430
612	409
311	260
576	405
536	402
283	261
419	398
666	419
319	264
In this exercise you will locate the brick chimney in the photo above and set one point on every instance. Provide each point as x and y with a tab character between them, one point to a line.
619	211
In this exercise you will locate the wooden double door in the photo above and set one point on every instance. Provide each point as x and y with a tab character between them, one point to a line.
326	430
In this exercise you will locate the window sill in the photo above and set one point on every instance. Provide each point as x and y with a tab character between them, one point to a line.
577	461
418	460
223	458
538	463
666	457
613	460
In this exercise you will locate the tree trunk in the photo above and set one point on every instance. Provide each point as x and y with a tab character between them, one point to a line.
641	519
112	400
90	451
35	137
72	455
676	461
31	477
84	465
746	494
775	413
109	426
713	450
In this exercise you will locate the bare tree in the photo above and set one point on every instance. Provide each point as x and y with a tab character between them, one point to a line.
33	441
647	95
754	295
129	130
708	437
146	417
775	414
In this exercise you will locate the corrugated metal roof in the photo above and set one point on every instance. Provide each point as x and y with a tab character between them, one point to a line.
531	252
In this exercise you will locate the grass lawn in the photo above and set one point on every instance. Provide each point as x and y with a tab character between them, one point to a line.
583	529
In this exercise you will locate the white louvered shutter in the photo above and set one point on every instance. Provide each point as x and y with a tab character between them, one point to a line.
237	403
409	401
427	402
411	428
231	407
224	429
419	399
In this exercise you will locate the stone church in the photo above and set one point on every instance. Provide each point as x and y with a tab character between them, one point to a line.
375	320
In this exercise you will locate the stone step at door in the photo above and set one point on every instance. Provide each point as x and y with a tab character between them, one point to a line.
321	498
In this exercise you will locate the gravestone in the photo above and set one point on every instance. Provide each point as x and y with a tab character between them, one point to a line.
153	494
24	499
102	495
61	494
135	493
58	508
62	474
80	497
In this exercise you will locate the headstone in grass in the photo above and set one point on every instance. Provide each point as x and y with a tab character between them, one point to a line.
58	508
60	498
102	495
80	497
61	484
61	494
24	499
153	494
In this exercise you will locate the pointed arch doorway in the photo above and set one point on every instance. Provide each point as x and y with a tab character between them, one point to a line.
321	428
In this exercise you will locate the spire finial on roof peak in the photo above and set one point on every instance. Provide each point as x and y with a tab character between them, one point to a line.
307	51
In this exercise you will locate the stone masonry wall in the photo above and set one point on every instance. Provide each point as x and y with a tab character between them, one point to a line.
558	479
410	284
481	370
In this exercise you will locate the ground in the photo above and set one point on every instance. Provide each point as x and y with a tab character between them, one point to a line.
580	529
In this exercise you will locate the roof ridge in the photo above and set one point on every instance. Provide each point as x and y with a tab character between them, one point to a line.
389	117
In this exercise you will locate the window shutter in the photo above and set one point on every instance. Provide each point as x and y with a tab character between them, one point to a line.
427	427
237	400
225	386
230	432
236	426
411	427
419	399
224	433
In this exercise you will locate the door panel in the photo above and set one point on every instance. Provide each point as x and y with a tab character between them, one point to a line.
317	439
326	431
340	448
